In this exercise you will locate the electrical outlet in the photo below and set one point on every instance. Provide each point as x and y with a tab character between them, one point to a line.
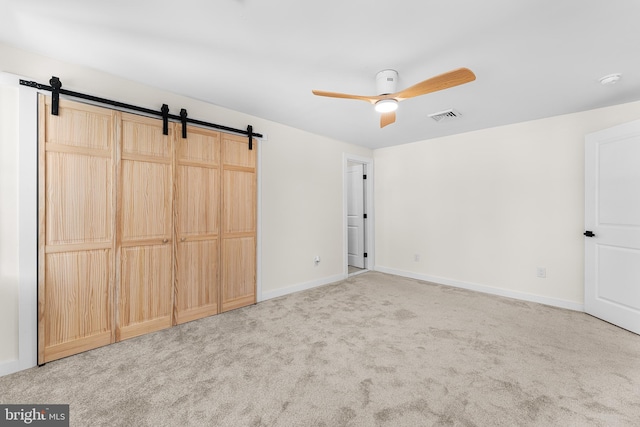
541	272
416	257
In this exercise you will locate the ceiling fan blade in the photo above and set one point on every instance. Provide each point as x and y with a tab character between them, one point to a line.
434	84
370	99
387	118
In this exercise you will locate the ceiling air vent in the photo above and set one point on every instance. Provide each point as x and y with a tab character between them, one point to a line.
445	115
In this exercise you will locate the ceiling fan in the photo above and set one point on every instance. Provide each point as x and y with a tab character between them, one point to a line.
387	102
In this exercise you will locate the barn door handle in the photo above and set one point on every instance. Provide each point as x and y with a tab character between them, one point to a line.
589	233
165	240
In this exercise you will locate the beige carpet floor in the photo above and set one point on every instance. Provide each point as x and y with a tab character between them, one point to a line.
374	350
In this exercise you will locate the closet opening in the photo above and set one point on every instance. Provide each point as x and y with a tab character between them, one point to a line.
358	211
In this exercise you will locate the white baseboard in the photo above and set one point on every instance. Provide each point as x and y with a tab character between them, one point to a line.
301	287
9	367
554	302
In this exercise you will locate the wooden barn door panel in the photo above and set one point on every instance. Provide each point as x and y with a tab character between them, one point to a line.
78	197
78	295
197	281
145	291
197	224
238	286
76	222
145	297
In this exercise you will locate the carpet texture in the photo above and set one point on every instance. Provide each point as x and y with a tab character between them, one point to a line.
373	350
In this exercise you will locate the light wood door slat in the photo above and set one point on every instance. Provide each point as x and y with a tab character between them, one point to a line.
137	329
78	247
239	168
72	347
146	158
198	237
146	242
61	148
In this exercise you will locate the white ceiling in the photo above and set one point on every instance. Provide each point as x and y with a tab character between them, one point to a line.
532	58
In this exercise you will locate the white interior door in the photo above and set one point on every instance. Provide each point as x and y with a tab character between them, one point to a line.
612	215
355	215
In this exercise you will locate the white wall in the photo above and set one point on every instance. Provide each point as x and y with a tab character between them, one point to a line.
300	177
305	210
484	209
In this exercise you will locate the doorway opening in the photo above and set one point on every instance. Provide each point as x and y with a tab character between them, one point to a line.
358	203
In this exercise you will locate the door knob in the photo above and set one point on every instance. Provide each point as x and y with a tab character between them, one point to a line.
165	240
183	239
589	233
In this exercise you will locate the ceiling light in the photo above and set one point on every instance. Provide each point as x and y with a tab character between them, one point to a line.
386	105
610	79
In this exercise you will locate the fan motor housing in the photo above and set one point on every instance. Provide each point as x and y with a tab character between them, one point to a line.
386	82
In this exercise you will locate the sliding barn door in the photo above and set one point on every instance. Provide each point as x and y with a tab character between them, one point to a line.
138	230
76	229
238	285
197	226
145	214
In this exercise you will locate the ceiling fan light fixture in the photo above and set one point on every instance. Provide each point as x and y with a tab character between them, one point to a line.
386	102
386	105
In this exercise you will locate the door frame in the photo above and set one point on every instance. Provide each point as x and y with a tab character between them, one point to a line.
356	217
369	227
27	310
